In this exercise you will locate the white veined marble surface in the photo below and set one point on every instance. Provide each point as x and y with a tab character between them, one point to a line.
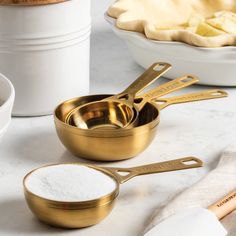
200	129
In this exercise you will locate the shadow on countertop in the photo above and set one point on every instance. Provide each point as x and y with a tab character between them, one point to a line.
36	147
16	219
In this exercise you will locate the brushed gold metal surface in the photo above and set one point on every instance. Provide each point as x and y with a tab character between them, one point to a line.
86	213
192	97
167	166
105	114
164	89
117	144
109	145
70	214
115	111
160	91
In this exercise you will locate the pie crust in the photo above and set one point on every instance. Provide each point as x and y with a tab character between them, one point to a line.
164	20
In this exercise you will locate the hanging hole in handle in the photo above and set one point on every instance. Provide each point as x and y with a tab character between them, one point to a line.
187	78
189	162
123	173
123	97
217	93
138	100
159	67
160	102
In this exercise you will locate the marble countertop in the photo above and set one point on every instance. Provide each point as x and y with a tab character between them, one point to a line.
201	129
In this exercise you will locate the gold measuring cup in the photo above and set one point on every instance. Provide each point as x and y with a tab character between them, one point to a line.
87	213
117	144
116	111
92	116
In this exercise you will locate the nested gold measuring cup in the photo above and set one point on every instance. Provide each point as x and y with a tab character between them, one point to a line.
86	213
191	97
118	144
116	111
91	113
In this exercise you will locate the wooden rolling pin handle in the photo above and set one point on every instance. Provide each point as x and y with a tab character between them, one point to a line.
224	206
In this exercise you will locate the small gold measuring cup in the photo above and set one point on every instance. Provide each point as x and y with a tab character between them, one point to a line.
118	144
91	113
116	111
86	213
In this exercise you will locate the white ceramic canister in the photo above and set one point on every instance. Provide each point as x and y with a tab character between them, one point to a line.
44	51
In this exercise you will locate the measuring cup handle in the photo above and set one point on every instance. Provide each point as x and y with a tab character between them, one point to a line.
192	97
164	89
173	165
224	206
150	75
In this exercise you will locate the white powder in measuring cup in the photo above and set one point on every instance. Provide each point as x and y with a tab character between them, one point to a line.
69	183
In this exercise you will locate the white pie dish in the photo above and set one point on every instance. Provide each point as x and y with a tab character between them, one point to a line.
7	96
213	66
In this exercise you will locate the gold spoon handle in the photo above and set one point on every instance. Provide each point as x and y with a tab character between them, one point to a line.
224	206
173	165
149	76
191	97
164	89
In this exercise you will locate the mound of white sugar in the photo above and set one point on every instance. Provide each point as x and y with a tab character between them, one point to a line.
69	183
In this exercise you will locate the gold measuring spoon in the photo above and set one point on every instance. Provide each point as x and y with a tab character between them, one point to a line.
87	213
93	114
191	97
116	111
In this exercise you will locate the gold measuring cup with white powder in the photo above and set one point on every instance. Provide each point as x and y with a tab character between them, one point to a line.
77	195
